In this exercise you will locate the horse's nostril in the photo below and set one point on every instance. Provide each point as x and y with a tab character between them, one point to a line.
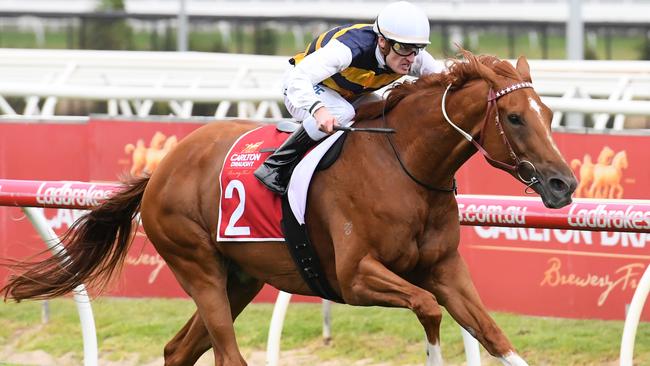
558	185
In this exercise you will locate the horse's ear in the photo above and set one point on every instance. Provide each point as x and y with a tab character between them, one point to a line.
523	69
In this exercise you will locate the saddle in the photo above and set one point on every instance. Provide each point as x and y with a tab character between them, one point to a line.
302	251
250	212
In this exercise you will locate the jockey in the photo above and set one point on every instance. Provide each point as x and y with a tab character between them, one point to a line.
339	70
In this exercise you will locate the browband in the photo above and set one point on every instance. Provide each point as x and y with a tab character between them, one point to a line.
512	88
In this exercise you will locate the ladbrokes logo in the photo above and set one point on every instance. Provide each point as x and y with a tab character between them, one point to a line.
144	160
603	218
603	178
67	195
247	157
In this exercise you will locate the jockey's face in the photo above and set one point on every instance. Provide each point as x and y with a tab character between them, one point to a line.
398	63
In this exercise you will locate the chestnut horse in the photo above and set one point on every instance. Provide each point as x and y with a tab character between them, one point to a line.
383	219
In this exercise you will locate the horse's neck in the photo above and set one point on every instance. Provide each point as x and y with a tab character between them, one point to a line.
430	145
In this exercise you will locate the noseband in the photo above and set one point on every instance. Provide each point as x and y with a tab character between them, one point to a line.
492	104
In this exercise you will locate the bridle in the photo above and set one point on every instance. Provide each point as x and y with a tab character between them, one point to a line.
492	104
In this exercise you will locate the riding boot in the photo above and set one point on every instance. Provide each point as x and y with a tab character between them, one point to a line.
276	170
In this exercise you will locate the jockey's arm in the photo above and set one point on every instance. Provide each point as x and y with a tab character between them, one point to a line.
425	64
314	68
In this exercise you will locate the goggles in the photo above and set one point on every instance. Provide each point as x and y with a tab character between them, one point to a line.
402	49
405	49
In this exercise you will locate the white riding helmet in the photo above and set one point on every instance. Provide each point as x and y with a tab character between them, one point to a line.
403	22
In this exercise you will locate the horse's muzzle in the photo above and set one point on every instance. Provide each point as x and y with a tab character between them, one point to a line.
556	190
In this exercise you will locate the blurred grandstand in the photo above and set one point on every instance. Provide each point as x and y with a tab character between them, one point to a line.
261	26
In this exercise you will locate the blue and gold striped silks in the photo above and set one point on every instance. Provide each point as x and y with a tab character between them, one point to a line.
364	74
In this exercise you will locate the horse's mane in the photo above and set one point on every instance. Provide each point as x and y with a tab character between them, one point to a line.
458	73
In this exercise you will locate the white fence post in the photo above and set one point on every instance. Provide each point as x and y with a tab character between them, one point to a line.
632	319
472	352
275	330
80	295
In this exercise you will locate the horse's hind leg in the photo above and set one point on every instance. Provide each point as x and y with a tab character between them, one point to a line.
202	272
188	344
453	287
193	339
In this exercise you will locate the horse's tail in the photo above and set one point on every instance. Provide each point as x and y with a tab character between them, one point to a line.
95	246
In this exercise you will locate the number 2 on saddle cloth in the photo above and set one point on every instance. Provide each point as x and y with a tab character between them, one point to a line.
248	211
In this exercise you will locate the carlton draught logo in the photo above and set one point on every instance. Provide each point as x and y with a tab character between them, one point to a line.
67	195
601	179
144	160
252	147
247	157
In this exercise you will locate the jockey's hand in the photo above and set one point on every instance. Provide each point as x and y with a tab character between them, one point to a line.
325	120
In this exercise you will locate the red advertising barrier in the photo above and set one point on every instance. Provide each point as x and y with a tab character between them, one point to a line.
503	211
517	264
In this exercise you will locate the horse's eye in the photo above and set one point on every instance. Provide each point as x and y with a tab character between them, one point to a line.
515	119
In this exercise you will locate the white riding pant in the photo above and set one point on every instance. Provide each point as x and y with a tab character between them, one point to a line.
340	108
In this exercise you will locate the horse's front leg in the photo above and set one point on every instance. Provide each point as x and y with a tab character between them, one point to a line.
371	283
452	285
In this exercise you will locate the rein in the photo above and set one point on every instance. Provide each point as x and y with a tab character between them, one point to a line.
492	104
453	188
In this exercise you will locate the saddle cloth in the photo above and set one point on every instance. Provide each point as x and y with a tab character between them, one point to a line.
248	211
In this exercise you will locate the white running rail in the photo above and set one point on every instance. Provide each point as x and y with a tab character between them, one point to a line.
249	86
